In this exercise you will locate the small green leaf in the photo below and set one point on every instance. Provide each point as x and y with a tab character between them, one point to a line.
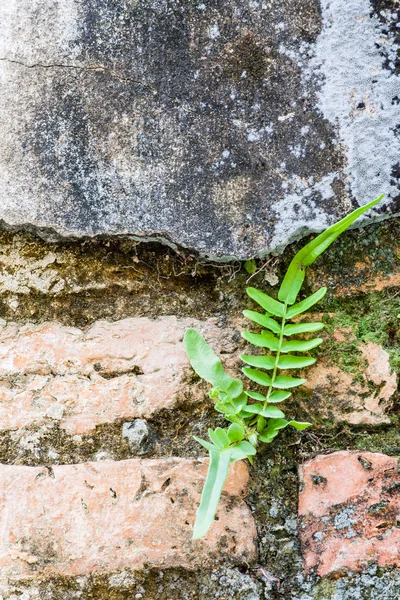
219	437
238	403
275	425
271	412
295	362
304	305
256	396
206	444
268	437
253	409
237	454
294	277
206	363
235	433
285	383
299	425
302	328
301	345
250	266
263	362
222	408
264	340
257	376
216	477
235	388
266	302
278	396
247	448
262	320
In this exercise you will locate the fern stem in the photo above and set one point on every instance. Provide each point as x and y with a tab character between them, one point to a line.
278	353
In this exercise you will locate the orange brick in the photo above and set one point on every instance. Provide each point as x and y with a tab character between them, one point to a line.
113	371
349	508
105	516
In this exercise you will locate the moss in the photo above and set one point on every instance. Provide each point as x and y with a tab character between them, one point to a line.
372	317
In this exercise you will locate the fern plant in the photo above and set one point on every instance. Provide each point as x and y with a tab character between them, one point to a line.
254	417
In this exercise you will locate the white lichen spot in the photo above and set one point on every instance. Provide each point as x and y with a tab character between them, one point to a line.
213	32
288	117
253	135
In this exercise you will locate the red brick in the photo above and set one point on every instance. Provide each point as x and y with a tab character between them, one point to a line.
349	507
342	399
113	371
106	516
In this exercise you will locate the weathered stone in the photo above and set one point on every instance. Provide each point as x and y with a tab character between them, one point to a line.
339	396
110	372
107	516
230	128
139	435
349	510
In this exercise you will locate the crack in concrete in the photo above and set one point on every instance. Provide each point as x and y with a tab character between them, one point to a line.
99	68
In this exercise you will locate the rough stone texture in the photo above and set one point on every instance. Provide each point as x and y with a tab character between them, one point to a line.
341	398
110	372
349	511
230	128
139	435
116	515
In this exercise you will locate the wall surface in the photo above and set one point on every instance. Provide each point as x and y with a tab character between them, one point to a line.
226	129
231	128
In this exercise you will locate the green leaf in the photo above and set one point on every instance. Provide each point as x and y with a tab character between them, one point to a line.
257	376
275	425
237	454
295	362
247	447
235	389
263	362
256	396
267	438
207	364
238	403
215	480
235	433
264	340
294	277
206	444
250	266
299	425
253	409
262	320
219	437
269	412
302	328
304	305
266	302
278	396
301	345
285	383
